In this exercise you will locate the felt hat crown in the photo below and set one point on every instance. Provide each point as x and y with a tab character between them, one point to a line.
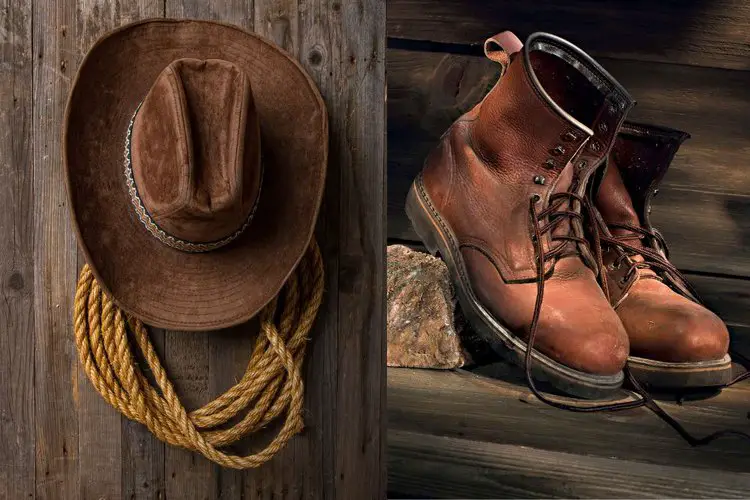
206	214
196	189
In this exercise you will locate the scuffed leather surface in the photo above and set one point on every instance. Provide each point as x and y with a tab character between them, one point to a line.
161	285
666	326
662	323
577	326
481	178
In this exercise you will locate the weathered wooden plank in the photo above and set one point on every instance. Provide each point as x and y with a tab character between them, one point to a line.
696	33
228	354
188	474
17	419
319	24
99	441
143	454
56	393
481	409
442	467
103	462
341	44
289	474
357	104
740	340
702	208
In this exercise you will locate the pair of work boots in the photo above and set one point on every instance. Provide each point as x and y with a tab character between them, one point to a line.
538	200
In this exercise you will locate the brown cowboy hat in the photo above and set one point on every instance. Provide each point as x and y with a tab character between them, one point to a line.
195	155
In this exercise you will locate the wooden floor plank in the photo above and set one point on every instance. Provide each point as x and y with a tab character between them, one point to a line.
17	418
696	33
468	406
442	467
702	207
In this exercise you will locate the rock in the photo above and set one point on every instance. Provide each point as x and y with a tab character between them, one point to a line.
422	331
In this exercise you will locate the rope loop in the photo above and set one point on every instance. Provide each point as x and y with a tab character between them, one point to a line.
270	389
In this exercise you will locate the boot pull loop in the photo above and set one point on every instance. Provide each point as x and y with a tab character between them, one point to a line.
500	47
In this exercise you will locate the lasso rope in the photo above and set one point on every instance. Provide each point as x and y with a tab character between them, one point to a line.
272	383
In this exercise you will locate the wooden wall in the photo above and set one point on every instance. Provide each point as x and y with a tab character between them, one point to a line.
58	438
687	63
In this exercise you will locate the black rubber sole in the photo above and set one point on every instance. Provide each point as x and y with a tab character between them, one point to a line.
438	237
696	375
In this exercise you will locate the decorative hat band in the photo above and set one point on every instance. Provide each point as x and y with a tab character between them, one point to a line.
153	228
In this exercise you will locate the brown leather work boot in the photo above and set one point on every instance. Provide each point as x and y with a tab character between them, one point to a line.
501	199
674	340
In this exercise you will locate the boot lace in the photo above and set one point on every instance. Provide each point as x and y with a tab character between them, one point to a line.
555	217
653	260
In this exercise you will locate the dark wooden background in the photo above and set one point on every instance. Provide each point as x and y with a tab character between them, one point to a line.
58	438
687	63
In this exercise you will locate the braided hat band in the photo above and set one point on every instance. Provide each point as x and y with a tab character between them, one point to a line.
151	225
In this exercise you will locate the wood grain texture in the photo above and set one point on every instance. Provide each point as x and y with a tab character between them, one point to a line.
282	477
187	474
695	33
357	125
701	209
467	406
56	31
17	418
101	464
443	467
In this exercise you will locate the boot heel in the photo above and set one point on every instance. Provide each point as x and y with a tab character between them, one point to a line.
420	220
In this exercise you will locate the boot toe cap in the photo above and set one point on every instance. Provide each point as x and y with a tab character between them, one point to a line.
602	354
701	337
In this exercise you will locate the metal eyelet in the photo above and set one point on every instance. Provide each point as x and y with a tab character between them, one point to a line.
539	179
569	137
612	110
595	146
582	164
550	163
603	127
535	198
558	151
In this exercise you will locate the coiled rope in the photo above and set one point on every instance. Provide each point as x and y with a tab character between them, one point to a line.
271	386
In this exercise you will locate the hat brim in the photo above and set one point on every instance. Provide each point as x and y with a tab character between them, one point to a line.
163	286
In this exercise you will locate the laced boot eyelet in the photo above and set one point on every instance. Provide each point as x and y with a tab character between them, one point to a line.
535	198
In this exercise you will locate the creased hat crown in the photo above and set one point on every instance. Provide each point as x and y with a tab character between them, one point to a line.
195	155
